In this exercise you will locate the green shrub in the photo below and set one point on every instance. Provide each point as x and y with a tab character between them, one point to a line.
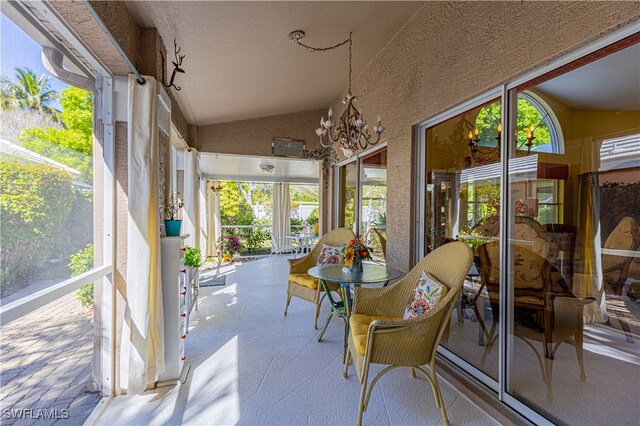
192	257
35	204
80	263
314	216
256	237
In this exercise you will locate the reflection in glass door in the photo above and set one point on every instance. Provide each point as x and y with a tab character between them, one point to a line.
462	203
373	202
573	249
347	181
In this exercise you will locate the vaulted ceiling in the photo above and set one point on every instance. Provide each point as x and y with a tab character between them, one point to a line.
240	64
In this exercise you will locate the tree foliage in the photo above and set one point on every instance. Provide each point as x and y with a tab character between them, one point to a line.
35	203
489	118
29	90
72	145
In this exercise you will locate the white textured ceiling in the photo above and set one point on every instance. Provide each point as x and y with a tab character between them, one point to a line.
611	83
240	64
244	168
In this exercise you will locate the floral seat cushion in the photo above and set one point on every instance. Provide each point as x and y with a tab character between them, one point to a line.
329	255
426	295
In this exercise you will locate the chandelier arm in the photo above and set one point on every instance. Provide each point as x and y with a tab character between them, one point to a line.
327	145
335	137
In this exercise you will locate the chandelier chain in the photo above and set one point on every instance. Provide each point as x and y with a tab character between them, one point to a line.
350	131
325	49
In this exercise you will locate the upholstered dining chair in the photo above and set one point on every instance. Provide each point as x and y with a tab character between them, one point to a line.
301	284
379	335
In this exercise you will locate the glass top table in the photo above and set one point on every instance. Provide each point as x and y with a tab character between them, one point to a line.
371	273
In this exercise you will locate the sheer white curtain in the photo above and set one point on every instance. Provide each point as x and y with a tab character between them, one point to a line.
202	214
190	224
142	348
281	224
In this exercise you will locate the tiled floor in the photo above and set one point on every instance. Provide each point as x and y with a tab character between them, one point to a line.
252	365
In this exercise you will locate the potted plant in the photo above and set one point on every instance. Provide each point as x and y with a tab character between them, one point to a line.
172	209
227	247
192	257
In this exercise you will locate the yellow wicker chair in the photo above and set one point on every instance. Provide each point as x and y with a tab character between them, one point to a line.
301	284
405	343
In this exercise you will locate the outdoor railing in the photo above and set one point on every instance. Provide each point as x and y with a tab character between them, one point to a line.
257	238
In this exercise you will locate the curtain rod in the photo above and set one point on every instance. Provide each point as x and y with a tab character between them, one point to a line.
132	67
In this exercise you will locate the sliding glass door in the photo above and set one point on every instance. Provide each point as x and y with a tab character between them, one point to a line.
573	246
543	183
462	203
361	202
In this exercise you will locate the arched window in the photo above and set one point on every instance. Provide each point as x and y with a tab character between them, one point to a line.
548	134
532	111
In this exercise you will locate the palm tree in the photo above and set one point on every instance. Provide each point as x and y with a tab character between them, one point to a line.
29	91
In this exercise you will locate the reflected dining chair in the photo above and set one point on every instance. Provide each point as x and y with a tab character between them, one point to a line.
379	335
383	241
301	284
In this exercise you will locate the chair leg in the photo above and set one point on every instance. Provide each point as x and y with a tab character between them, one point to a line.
316	315
439	400
345	349
578	344
286	306
548	333
363	392
413	373
346	364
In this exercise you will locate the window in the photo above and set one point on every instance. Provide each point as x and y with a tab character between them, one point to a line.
534	114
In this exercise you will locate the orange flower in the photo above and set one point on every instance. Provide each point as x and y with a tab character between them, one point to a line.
349	255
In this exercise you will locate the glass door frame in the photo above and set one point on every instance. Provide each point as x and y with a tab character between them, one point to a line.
507	96
357	159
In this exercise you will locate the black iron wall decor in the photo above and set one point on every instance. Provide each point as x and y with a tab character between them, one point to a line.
176	64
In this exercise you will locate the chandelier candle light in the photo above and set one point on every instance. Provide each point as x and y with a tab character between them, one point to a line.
482	154
351	131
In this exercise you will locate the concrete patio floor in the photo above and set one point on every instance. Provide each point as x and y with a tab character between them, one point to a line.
252	365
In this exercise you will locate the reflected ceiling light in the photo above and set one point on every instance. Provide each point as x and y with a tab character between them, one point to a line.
267	168
351	131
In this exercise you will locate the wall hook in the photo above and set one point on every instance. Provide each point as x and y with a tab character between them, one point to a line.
176	64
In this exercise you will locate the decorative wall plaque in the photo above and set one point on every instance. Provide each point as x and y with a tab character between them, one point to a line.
283	147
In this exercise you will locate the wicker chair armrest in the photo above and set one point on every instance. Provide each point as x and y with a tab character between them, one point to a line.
301	265
405	342
381	301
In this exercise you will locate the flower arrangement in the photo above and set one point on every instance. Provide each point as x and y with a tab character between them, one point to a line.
216	189
227	247
525	208
355	252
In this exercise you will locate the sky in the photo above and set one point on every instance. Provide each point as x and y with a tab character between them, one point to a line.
18	50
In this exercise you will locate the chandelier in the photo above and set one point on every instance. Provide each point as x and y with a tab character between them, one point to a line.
351	131
483	154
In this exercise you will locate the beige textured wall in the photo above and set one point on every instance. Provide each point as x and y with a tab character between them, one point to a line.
142	46
450	52
253	137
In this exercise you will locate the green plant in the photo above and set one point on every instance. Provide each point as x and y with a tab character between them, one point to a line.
314	217
255	238
192	257
79	263
35	204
